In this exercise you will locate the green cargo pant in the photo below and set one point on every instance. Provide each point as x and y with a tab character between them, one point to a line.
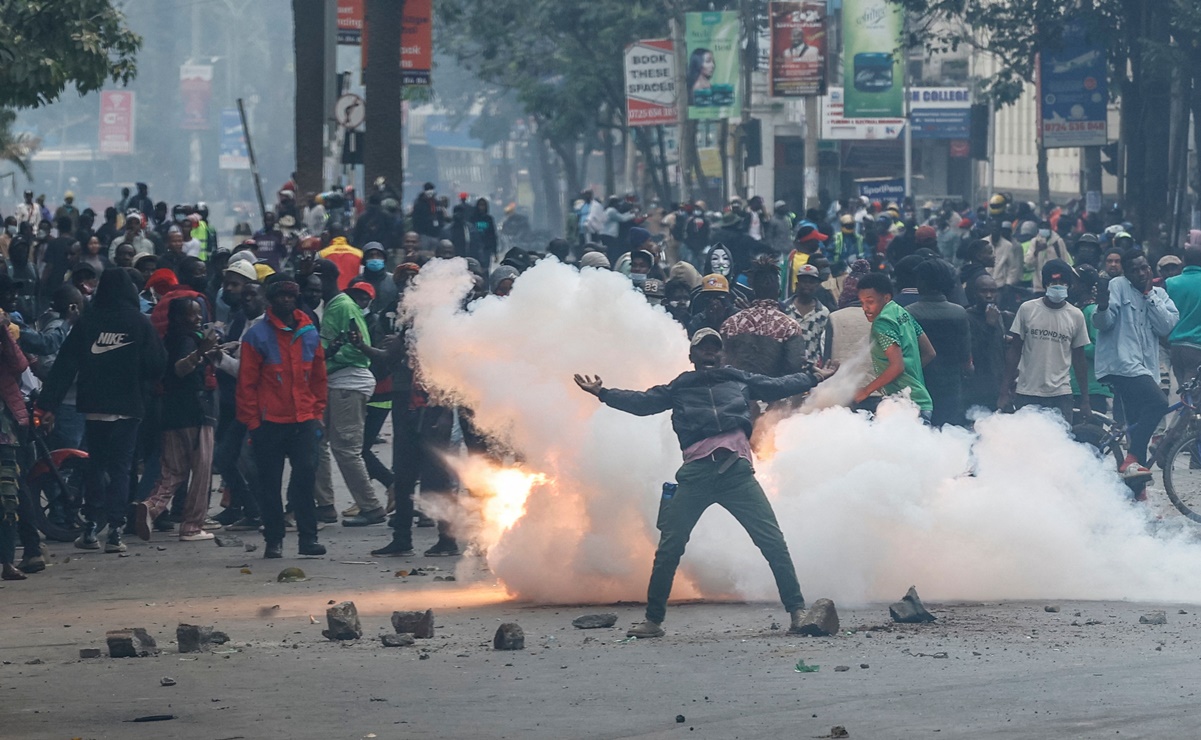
701	485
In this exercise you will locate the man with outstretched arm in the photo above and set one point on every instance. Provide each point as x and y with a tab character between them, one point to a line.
711	412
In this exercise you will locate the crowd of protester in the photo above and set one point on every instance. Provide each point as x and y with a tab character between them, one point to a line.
168	355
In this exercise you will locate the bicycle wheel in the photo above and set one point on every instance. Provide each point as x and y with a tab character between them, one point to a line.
59	513
1100	440
1182	476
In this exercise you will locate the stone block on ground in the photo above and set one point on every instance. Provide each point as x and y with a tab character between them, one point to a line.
910	610
131	642
509	636
594	621
343	621
89	652
418	624
227	540
1154	618
821	620
399	640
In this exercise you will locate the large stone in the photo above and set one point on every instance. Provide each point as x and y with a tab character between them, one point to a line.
192	638
910	609
89	652
131	642
1154	618
343	621
287	575
399	640
821	620
594	621
227	540
509	636
418	624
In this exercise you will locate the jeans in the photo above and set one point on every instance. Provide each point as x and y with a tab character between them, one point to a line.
1144	404
298	444
376	416
345	417
68	429
110	457
419	437
227	459
700	485
1185	361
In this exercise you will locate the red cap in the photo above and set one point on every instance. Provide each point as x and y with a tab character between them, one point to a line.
162	280
364	287
926	233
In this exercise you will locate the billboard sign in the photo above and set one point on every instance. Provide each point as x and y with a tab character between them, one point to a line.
117	117
798	48
1073	92
196	91
873	74
651	83
350	22
416	42
712	42
234	154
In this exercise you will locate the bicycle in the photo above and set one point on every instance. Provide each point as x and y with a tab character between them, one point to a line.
1179	453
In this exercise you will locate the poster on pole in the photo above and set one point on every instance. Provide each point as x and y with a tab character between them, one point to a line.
873	76
234	154
117	121
650	67
350	22
798	48
196	90
712	42
1073	92
416	42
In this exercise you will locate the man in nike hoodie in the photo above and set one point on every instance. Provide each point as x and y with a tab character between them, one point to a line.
113	354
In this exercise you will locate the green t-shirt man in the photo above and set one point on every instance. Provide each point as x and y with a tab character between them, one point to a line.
892	326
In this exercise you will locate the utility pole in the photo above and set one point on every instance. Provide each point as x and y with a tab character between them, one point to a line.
684	147
382	147
813	129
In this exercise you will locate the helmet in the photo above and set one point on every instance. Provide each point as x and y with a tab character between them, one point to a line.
996	205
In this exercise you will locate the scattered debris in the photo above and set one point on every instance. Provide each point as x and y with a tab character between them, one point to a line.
245	571
910	609
35	661
509	636
594	621
131	642
343	620
290	575
152	718
841	668
864	666
401	574
680	719
166	681
774	626
802	667
1051	609
821	620
1154	618
1182	612
358	562
265	611
419	624
251	547
193	638
227	540
402	640
839	731
89	652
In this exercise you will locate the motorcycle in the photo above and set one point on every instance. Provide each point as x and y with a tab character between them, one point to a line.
54	484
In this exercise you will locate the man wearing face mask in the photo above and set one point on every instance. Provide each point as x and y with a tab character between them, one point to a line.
1047	246
375	272
1047	341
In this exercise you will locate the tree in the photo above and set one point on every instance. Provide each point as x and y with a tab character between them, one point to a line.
50	44
382	152
15	148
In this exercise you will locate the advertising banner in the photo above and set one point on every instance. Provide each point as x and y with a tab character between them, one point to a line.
116	121
882	189
650	67
233	155
712	42
873	75
350	22
936	113
196	91
837	125
1073	92
798	48
416	42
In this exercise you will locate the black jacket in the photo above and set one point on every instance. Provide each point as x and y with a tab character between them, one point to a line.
113	351
705	403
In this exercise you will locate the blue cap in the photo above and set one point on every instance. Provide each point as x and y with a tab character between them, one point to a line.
639	236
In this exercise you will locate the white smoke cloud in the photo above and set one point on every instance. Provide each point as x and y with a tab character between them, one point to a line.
867	507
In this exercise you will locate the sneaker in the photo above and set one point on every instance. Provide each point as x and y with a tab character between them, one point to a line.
445	547
798	616
312	547
200	536
113	543
87	539
290	522
352	510
366	519
245	524
11	574
398	549
142	521
228	516
327	514
212	524
645	630
32	564
273	550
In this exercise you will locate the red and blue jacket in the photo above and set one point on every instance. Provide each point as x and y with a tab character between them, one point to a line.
282	374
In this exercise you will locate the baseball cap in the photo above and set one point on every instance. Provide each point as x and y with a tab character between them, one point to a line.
1168	259
808	232
808	271
363	287
263	270
705	333
715	284
244	268
1056	270
653	288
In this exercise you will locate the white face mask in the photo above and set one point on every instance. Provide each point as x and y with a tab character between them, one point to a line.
1057	293
1044	233
720	260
